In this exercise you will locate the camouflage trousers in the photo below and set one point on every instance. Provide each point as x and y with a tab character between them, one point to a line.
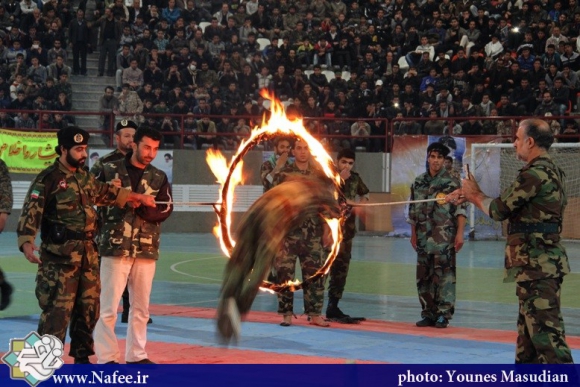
69	294
541	335
339	270
309	253
436	284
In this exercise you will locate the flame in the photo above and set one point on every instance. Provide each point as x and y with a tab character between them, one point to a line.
220	168
277	124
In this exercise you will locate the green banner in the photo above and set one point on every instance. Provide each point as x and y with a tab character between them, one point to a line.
27	152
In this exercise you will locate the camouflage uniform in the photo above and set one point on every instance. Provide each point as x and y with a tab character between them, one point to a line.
5	207
131	238
352	187
60	204
305	244
536	261
97	170
124	232
267	167
436	228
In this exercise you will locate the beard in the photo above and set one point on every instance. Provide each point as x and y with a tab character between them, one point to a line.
74	162
143	160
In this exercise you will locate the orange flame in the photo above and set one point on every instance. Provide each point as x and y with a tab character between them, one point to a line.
220	168
278	123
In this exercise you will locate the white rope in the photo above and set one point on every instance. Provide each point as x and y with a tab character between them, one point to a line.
189	203
394	203
349	203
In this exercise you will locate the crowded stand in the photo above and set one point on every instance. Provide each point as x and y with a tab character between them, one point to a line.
197	66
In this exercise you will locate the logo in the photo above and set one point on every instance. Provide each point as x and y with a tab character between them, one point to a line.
34	358
62	184
124	122
78	138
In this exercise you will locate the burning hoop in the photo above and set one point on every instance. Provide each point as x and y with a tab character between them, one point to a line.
230	175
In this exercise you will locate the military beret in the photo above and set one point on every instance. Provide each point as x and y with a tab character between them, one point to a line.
71	136
125	124
439	148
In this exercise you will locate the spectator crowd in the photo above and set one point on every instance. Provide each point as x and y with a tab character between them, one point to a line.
185	63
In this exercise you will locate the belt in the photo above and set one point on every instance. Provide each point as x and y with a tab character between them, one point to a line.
79	235
528	228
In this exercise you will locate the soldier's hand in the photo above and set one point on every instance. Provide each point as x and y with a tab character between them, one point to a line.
116	182
28	249
147	200
281	161
345	174
456	197
458	242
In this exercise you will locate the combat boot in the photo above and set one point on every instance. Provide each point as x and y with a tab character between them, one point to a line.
333	311
6	293
426	322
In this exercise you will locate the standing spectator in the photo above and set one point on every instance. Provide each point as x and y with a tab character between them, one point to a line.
437	236
68	258
109	104
109	36
78	36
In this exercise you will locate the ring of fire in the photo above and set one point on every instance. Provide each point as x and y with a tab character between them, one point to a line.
230	175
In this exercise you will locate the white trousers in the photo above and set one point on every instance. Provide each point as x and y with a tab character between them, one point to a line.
116	273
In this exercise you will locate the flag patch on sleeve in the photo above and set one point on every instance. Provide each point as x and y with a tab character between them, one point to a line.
34	194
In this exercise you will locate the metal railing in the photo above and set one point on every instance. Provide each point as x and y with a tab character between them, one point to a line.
335	132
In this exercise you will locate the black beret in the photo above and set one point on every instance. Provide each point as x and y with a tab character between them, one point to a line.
71	136
439	148
125	124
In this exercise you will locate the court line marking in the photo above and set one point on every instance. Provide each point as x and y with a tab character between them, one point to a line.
173	268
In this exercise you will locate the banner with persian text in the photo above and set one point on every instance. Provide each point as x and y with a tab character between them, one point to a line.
27	152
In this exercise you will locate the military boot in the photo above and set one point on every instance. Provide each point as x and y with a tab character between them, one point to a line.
333	311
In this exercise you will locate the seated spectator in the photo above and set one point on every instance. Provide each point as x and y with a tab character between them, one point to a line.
570	129
58	121
6	121
37	72
434	127
10	55
360	131
24	121
206	133
133	75
547	107
55	51
58	67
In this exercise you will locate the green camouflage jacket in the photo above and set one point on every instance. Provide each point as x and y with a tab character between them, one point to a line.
435	223
5	189
352	187
58	196
128	232
312	226
97	168
538	195
267	167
